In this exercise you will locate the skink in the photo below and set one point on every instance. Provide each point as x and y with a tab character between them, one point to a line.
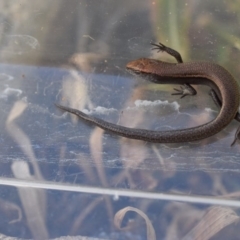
220	80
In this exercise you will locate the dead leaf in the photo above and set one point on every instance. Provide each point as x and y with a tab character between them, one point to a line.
121	214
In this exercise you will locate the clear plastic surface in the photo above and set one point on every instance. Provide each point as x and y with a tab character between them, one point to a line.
61	176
